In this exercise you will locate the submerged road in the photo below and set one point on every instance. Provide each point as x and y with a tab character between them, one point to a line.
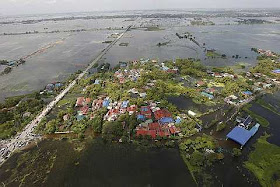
23	138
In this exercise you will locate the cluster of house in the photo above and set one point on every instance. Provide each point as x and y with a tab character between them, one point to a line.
123	75
136	92
83	104
265	83
169	70
235	100
242	133
156	122
117	108
114	108
266	53
207	92
53	86
220	75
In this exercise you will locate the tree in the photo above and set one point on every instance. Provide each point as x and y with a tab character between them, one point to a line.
51	126
197	158
60	115
114	128
220	126
96	124
236	152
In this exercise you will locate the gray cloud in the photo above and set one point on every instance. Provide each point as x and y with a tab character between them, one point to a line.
52	6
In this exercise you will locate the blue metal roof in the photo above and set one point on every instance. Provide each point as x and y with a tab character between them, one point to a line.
124	104
276	71
178	120
141	117
239	135
254	129
247	93
210	96
166	120
106	103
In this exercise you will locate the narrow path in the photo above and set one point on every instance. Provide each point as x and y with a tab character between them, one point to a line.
23	138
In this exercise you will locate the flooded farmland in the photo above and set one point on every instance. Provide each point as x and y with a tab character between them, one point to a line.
98	165
66	44
76	49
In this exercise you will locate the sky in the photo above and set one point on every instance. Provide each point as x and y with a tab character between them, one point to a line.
13	7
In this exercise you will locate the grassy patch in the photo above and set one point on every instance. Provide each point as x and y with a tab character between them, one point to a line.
216	84
190	167
153	29
63	102
262	121
213	54
264	162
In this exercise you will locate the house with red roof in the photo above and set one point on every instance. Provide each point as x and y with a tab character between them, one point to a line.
141	132
87	101
200	83
162	113
161	133
97	104
154	126
80	102
146	111
84	110
152	133
112	115
132	109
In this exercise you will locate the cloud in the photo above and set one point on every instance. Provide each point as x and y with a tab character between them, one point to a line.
52	6
51	1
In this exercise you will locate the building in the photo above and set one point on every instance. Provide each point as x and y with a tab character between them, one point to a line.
247	93
80	102
162	113
241	135
209	96
191	113
132	109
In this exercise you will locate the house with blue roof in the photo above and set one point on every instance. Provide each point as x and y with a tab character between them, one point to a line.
165	120
241	135
124	104
106	102
210	96
277	71
58	85
247	93
178	120
80	117
141	117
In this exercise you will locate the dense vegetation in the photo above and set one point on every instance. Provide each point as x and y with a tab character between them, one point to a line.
264	162
17	112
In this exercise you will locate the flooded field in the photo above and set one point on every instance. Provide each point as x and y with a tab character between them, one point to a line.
75	49
98	165
61	163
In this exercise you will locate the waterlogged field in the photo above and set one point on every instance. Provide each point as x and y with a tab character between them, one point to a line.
78	41
61	163
68	45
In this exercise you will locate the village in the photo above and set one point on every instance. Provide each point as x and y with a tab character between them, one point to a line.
137	91
130	103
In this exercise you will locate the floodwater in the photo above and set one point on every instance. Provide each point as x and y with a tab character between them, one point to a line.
271	117
186	103
226	39
75	50
98	165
